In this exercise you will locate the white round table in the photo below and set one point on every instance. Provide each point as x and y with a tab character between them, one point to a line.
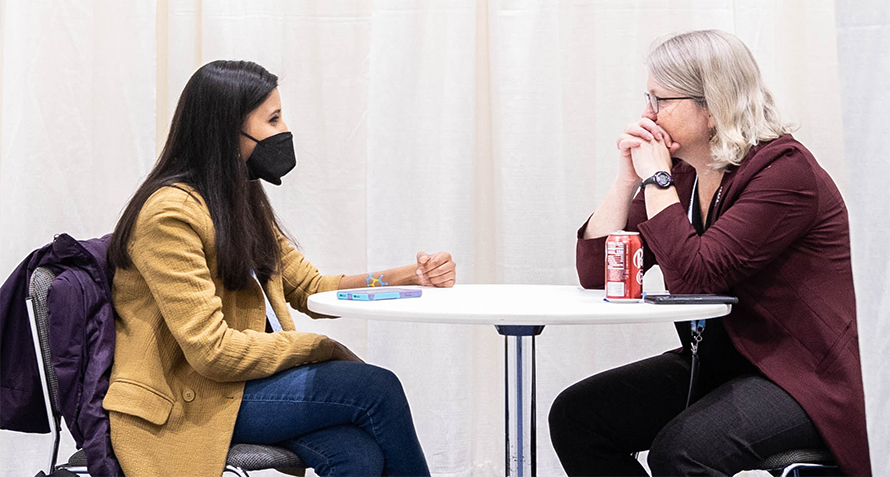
519	312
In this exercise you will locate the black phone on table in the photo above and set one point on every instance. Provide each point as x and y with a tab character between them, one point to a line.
689	299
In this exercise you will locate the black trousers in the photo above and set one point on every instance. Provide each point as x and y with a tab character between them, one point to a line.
597	424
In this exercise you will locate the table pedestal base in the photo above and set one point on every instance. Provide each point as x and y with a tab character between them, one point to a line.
520	450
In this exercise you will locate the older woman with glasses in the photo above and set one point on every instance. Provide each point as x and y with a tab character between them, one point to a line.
729	202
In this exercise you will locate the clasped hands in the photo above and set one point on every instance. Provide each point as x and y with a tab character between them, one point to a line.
645	148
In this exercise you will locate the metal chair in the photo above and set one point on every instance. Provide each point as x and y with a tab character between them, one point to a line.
241	458
810	461
814	462
244	457
38	314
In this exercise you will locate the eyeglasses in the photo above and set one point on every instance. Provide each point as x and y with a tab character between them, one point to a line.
654	100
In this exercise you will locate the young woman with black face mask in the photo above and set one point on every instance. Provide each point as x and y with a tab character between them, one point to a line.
203	273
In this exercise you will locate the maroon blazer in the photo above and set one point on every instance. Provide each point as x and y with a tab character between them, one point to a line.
780	242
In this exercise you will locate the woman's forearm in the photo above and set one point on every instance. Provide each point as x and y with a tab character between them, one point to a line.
406	275
611	215
659	199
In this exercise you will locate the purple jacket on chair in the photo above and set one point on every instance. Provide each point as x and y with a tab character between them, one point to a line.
81	336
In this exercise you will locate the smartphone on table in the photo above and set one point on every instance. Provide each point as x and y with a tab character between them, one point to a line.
688	299
379	293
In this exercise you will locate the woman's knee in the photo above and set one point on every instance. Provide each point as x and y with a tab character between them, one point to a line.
383	382
562	426
560	418
575	415
384	377
363	378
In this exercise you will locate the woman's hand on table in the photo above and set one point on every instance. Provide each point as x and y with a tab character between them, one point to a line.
437	270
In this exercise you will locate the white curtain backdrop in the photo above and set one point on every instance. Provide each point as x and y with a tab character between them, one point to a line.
863	39
481	127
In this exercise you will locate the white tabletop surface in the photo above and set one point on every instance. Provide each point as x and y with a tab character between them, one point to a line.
511	305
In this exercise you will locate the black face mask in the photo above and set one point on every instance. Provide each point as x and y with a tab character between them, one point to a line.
271	158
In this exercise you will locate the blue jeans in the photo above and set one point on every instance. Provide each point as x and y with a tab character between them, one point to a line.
342	418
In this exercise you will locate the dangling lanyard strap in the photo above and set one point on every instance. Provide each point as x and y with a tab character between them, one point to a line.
697	327
271	317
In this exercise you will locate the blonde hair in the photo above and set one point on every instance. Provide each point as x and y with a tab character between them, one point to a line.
718	67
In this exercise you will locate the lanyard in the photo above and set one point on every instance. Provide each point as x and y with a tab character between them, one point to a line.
694	196
271	317
697	327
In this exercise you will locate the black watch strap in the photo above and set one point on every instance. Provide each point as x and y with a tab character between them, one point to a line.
660	179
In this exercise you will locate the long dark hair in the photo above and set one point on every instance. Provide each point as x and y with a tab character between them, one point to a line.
202	150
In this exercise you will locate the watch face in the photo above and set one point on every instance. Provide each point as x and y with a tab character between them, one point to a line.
663	179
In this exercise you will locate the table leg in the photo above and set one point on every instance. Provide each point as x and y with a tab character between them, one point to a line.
520	430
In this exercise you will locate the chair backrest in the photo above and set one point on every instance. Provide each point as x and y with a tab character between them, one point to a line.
38	289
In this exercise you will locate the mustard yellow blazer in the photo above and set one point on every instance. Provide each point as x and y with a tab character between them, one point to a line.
186	345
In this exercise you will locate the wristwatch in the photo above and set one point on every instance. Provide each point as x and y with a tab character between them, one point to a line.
660	179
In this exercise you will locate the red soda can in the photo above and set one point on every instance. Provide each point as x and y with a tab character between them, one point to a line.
624	266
